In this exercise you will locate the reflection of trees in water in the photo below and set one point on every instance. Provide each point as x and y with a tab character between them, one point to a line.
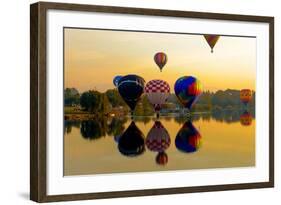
92	129
100	127
144	119
116	126
226	116
180	120
68	124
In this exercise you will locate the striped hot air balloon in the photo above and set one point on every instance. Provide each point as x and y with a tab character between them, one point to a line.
246	119
160	59
212	40
162	158
246	96
157	92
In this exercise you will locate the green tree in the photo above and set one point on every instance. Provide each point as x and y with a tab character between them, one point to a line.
71	96
114	98
105	105
91	101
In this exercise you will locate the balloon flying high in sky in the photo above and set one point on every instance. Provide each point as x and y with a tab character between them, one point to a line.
160	59
212	40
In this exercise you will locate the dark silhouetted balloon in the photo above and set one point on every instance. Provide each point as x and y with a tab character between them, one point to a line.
188	89
131	87
116	80
160	59
246	96
188	138
157	92
246	119
211	40
131	143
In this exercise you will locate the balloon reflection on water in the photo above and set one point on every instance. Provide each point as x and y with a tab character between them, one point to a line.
131	142
188	138
158	140
246	119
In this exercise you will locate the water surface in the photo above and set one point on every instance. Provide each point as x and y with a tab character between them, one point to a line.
112	145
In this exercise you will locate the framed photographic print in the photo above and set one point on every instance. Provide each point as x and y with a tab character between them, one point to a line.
133	102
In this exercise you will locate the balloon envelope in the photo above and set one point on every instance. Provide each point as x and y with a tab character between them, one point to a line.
162	158
187	89
131	143
246	96
158	138
116	80
157	92
160	59
246	119
188	138
131	87
212	40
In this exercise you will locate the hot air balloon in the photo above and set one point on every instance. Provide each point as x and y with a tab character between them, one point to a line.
187	89
131	143
157	92
162	158
131	87
246	96
188	138
212	40
116	80
160	59
158	140
246	119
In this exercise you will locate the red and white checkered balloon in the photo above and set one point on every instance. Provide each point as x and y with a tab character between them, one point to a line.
157	92
158	138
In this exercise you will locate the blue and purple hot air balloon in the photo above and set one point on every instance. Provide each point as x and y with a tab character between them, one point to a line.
188	89
188	138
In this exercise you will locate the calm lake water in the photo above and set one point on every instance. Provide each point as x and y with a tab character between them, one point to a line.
112	145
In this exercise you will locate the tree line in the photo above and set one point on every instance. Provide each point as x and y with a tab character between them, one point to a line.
94	101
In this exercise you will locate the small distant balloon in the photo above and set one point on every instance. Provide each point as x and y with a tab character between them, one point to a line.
116	80
162	158
188	138
188	89
211	40
160	59
246	119
131	87
157	92
246	96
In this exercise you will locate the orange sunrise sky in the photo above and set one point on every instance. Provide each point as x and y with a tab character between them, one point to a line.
94	57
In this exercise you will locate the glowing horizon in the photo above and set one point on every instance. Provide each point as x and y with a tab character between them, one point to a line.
94	57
